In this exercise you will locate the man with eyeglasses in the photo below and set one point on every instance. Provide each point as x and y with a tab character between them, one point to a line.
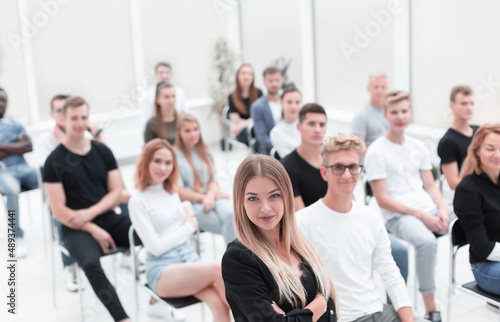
352	240
399	170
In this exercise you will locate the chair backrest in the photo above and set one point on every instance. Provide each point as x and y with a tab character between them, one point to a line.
368	189
458	236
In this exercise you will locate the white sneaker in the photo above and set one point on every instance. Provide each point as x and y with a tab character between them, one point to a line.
21	250
126	261
160	310
70	278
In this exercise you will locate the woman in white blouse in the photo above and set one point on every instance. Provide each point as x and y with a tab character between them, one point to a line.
284	136
165	226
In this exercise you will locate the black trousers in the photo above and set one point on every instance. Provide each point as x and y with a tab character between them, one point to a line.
85	250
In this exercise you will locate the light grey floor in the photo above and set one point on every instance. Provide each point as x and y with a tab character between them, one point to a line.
34	292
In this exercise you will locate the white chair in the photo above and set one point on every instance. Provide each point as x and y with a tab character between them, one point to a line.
228	139
178	302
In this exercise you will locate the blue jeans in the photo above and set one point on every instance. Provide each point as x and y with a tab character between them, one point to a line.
400	255
12	179
487	275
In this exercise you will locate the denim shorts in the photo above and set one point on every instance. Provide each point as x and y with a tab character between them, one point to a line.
155	265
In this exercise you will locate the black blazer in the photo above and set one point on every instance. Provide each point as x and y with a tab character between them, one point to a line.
250	289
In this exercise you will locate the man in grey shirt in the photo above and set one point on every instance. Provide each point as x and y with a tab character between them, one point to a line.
370	123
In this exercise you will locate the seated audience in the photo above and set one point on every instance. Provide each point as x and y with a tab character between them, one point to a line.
399	170
162	124
267	111
165	226
452	148
163	74
284	136
83	185
352	240
15	173
303	163
212	208
272	272
240	100
477	205
369	122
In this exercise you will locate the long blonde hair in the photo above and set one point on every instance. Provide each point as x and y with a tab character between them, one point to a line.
289	284
472	163
200	147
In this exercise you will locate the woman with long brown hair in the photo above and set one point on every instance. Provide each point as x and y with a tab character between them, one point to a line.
165	226
162	124
212	208
477	205
240	100
272	272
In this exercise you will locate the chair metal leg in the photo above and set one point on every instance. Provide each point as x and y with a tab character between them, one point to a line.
450	281
53	262
80	290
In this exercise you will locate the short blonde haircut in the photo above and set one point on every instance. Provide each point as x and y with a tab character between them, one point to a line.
395	97
342	142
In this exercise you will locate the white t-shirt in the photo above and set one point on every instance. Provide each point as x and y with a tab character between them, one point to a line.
285	137
148	103
276	110
400	165
353	246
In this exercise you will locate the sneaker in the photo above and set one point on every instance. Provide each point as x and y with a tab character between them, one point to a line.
21	250
126	261
70	279
160	310
434	316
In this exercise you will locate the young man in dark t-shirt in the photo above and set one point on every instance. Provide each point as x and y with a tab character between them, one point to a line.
452	148
304	162
83	186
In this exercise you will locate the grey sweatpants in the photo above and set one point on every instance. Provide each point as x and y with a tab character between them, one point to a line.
414	231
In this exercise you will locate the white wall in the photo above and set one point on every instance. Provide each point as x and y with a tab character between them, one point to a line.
344	57
455	42
12	78
183	33
84	50
271	29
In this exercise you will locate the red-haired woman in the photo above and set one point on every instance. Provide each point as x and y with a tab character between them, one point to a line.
165	227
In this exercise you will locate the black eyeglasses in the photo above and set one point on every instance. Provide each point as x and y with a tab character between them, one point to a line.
339	169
